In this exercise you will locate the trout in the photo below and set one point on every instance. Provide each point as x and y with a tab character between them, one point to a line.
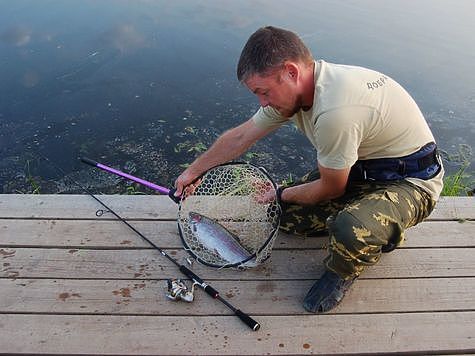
217	238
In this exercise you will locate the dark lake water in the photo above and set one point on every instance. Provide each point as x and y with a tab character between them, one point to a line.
145	86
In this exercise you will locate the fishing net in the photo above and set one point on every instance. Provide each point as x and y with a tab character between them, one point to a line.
230	216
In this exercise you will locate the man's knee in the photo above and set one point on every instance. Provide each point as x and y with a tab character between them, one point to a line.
352	239
346	230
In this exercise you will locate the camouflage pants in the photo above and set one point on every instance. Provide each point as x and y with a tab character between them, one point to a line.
369	216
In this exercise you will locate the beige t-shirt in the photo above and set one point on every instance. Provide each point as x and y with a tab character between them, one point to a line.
358	113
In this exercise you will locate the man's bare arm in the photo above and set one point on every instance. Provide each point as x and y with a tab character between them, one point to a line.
331	185
228	146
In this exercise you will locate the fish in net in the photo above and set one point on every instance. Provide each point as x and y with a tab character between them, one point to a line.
230	216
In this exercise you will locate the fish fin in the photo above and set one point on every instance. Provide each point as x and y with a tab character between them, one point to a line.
220	256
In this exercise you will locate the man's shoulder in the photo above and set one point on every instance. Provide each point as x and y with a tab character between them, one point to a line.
350	75
268	117
345	68
341	85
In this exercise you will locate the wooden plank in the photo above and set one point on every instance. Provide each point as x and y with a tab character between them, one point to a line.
147	297
156	207
454	208
317	334
441	234
114	234
292	264
85	207
93	234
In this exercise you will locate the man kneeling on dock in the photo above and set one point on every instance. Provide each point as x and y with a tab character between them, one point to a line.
377	174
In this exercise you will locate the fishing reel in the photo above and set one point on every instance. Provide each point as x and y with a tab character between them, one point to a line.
178	290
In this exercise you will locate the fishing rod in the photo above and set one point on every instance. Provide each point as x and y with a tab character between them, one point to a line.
254	325
232	179
162	190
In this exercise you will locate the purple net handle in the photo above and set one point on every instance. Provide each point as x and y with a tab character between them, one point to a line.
141	181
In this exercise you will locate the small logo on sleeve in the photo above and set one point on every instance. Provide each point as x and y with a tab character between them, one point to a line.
378	83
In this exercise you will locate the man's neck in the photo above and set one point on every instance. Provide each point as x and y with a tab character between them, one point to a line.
308	87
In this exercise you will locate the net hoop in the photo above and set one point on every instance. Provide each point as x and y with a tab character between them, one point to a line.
258	254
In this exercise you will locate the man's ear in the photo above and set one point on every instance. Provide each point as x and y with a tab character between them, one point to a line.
291	70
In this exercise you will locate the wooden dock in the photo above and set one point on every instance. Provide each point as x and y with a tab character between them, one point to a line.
75	283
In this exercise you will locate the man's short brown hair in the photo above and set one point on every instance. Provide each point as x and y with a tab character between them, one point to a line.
267	49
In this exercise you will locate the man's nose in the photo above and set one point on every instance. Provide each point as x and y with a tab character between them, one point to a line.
263	101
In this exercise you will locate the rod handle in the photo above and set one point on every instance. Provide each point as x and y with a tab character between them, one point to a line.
171	195
254	325
189	273
89	161
208	289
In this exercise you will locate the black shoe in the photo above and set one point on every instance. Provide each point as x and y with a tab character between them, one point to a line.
391	246
326	293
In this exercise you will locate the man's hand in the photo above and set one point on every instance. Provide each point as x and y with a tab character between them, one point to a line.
185	179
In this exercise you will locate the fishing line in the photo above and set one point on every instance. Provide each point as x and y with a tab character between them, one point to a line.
254	325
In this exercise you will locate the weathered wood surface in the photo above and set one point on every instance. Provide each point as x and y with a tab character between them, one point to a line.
109	234
146	297
75	283
285	264
218	335
146	207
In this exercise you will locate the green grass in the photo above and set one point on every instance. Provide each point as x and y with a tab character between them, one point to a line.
461	182
35	187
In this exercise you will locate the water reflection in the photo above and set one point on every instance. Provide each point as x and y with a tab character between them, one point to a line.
147	84
16	36
123	37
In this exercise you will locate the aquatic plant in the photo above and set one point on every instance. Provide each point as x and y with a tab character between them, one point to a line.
35	187
188	146
133	190
288	180
248	156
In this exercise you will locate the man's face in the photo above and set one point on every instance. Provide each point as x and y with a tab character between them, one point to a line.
277	90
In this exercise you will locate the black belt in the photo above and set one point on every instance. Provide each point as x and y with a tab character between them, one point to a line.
423	164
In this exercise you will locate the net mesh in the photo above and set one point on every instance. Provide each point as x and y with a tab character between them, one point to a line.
229	198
